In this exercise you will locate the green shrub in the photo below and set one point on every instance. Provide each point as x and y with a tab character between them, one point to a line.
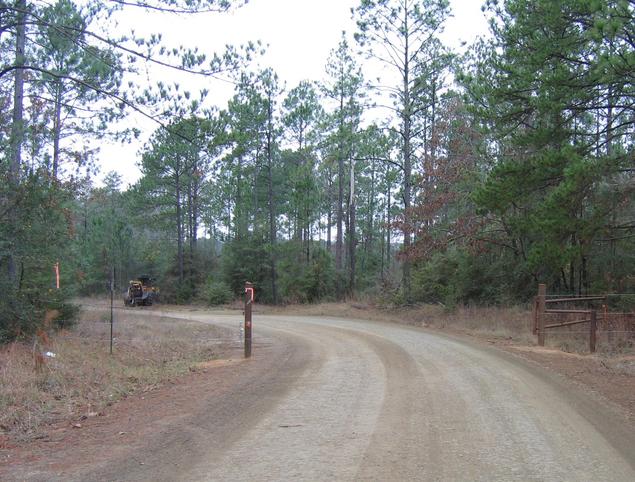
183	293
18	315
217	293
68	315
306	281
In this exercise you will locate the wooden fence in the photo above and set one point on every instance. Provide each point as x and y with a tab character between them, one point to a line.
555	311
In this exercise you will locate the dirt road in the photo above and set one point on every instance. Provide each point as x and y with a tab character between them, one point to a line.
328	399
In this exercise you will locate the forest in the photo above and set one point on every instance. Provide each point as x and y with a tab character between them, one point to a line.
456	178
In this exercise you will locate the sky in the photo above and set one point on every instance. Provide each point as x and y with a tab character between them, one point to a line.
299	35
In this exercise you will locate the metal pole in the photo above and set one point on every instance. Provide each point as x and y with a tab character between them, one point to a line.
249	293
593	334
112	291
540	313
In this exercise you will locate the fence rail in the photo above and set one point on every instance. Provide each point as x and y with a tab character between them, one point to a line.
617	326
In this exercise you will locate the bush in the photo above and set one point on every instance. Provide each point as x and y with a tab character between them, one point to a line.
457	277
18	315
248	259
318	280
302	281
22	312
68	315
217	293
183	293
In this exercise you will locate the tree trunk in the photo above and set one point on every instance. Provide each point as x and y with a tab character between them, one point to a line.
407	163
195	210
351	232
383	246
257	171
406	215
329	210
272	215
240	225
17	126
194	185
179	226
307	214
609	154
308	244
57	128
584	280
190	225
371	213
340	193
388	221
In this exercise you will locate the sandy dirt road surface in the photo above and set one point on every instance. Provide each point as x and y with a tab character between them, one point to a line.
334	399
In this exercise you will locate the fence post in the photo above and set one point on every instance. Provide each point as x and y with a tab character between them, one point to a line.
606	325
249	294
540	313
593	334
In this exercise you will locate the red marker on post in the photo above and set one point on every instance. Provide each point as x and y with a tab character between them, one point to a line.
249	299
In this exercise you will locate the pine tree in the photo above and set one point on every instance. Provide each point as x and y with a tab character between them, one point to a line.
401	35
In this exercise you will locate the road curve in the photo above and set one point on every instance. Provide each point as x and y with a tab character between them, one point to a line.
336	399
379	401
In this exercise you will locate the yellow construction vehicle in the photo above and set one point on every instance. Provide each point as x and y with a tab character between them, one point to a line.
141	292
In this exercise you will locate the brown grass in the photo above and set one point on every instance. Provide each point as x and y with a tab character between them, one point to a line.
83	377
513	324
508	323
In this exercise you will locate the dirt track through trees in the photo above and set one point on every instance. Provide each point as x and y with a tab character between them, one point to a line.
329	399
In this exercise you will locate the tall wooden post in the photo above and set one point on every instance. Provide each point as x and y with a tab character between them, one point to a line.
607	326
540	313
593	334
249	298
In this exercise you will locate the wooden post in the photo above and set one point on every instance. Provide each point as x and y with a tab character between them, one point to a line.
593	334
606	325
540	313
249	294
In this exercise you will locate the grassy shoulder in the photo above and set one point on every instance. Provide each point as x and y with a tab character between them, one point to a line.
79	377
502	325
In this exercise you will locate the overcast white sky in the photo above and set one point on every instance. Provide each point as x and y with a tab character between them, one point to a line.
299	33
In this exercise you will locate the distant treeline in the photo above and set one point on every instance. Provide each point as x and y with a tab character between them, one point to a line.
486	172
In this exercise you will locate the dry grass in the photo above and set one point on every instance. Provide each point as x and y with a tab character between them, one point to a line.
83	377
509	323
513	324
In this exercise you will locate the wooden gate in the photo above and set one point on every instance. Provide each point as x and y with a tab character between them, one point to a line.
553	311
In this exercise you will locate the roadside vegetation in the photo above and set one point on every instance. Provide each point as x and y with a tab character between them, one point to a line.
69	375
490	171
504	323
499	324
79	377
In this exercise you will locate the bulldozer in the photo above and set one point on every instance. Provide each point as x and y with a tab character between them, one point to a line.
141	292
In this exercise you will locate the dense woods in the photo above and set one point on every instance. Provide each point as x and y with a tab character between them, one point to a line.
452	178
